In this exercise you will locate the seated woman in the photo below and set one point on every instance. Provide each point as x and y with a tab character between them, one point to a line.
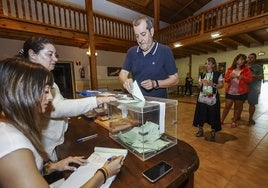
23	99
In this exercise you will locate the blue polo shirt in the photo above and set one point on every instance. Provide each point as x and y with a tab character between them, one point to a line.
158	64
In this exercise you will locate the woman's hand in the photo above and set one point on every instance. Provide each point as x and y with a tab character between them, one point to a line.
64	164
204	82
101	100
114	166
233	75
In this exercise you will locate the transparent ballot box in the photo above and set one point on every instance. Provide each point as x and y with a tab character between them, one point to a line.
145	128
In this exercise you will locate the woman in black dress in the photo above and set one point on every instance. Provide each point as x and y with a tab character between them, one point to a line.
209	83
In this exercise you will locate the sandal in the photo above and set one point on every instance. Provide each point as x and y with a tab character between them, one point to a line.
251	122
234	124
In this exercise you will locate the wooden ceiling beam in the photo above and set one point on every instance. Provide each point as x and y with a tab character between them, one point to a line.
168	8
208	47
134	6
199	50
219	46
184	7
239	40
255	38
185	50
227	44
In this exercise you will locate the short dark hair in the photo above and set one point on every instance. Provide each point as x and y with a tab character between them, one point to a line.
254	55
148	21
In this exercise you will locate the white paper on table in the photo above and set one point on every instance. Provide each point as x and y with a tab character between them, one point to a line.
162	113
57	183
94	162
136	92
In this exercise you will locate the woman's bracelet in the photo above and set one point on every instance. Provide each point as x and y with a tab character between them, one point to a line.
104	172
46	166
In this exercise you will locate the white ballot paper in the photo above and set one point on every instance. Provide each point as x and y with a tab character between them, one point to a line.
136	92
162	115
94	162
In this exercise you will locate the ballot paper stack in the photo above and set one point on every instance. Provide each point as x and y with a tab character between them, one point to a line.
150	124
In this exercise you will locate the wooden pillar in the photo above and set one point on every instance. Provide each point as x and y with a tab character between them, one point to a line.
1	8
202	24
156	18
190	65
91	46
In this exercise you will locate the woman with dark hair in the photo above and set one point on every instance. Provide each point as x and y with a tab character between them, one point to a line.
237	77
41	50
209	83
23	100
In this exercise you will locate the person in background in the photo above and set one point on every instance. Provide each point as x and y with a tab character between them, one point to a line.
41	50
188	84
152	64
23	100
254	86
209	83
237	77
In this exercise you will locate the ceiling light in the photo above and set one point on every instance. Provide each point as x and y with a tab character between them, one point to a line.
215	34
88	53
217	40
177	44
261	53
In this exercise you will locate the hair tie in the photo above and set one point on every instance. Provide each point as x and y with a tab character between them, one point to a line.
21	52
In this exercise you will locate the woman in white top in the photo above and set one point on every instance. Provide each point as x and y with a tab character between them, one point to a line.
209	83
41	50
24	96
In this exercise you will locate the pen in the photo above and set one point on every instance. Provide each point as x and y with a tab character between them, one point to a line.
111	158
86	138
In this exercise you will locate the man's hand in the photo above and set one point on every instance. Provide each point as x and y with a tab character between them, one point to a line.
148	84
128	85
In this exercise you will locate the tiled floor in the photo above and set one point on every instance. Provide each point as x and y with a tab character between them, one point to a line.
239	157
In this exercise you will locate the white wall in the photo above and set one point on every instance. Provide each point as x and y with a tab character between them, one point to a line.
9	48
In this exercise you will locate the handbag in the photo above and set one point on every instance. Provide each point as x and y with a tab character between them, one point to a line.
209	99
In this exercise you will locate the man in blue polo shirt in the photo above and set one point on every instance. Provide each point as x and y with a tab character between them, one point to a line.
151	64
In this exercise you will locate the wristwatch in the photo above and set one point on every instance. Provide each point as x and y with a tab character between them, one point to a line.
157	85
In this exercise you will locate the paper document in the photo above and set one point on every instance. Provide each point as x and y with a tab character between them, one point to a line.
162	115
136	92
94	162
143	139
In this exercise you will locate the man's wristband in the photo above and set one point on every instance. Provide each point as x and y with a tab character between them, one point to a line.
157	85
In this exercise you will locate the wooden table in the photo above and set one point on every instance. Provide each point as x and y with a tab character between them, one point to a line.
182	157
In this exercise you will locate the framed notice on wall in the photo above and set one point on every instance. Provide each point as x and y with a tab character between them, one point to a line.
113	71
